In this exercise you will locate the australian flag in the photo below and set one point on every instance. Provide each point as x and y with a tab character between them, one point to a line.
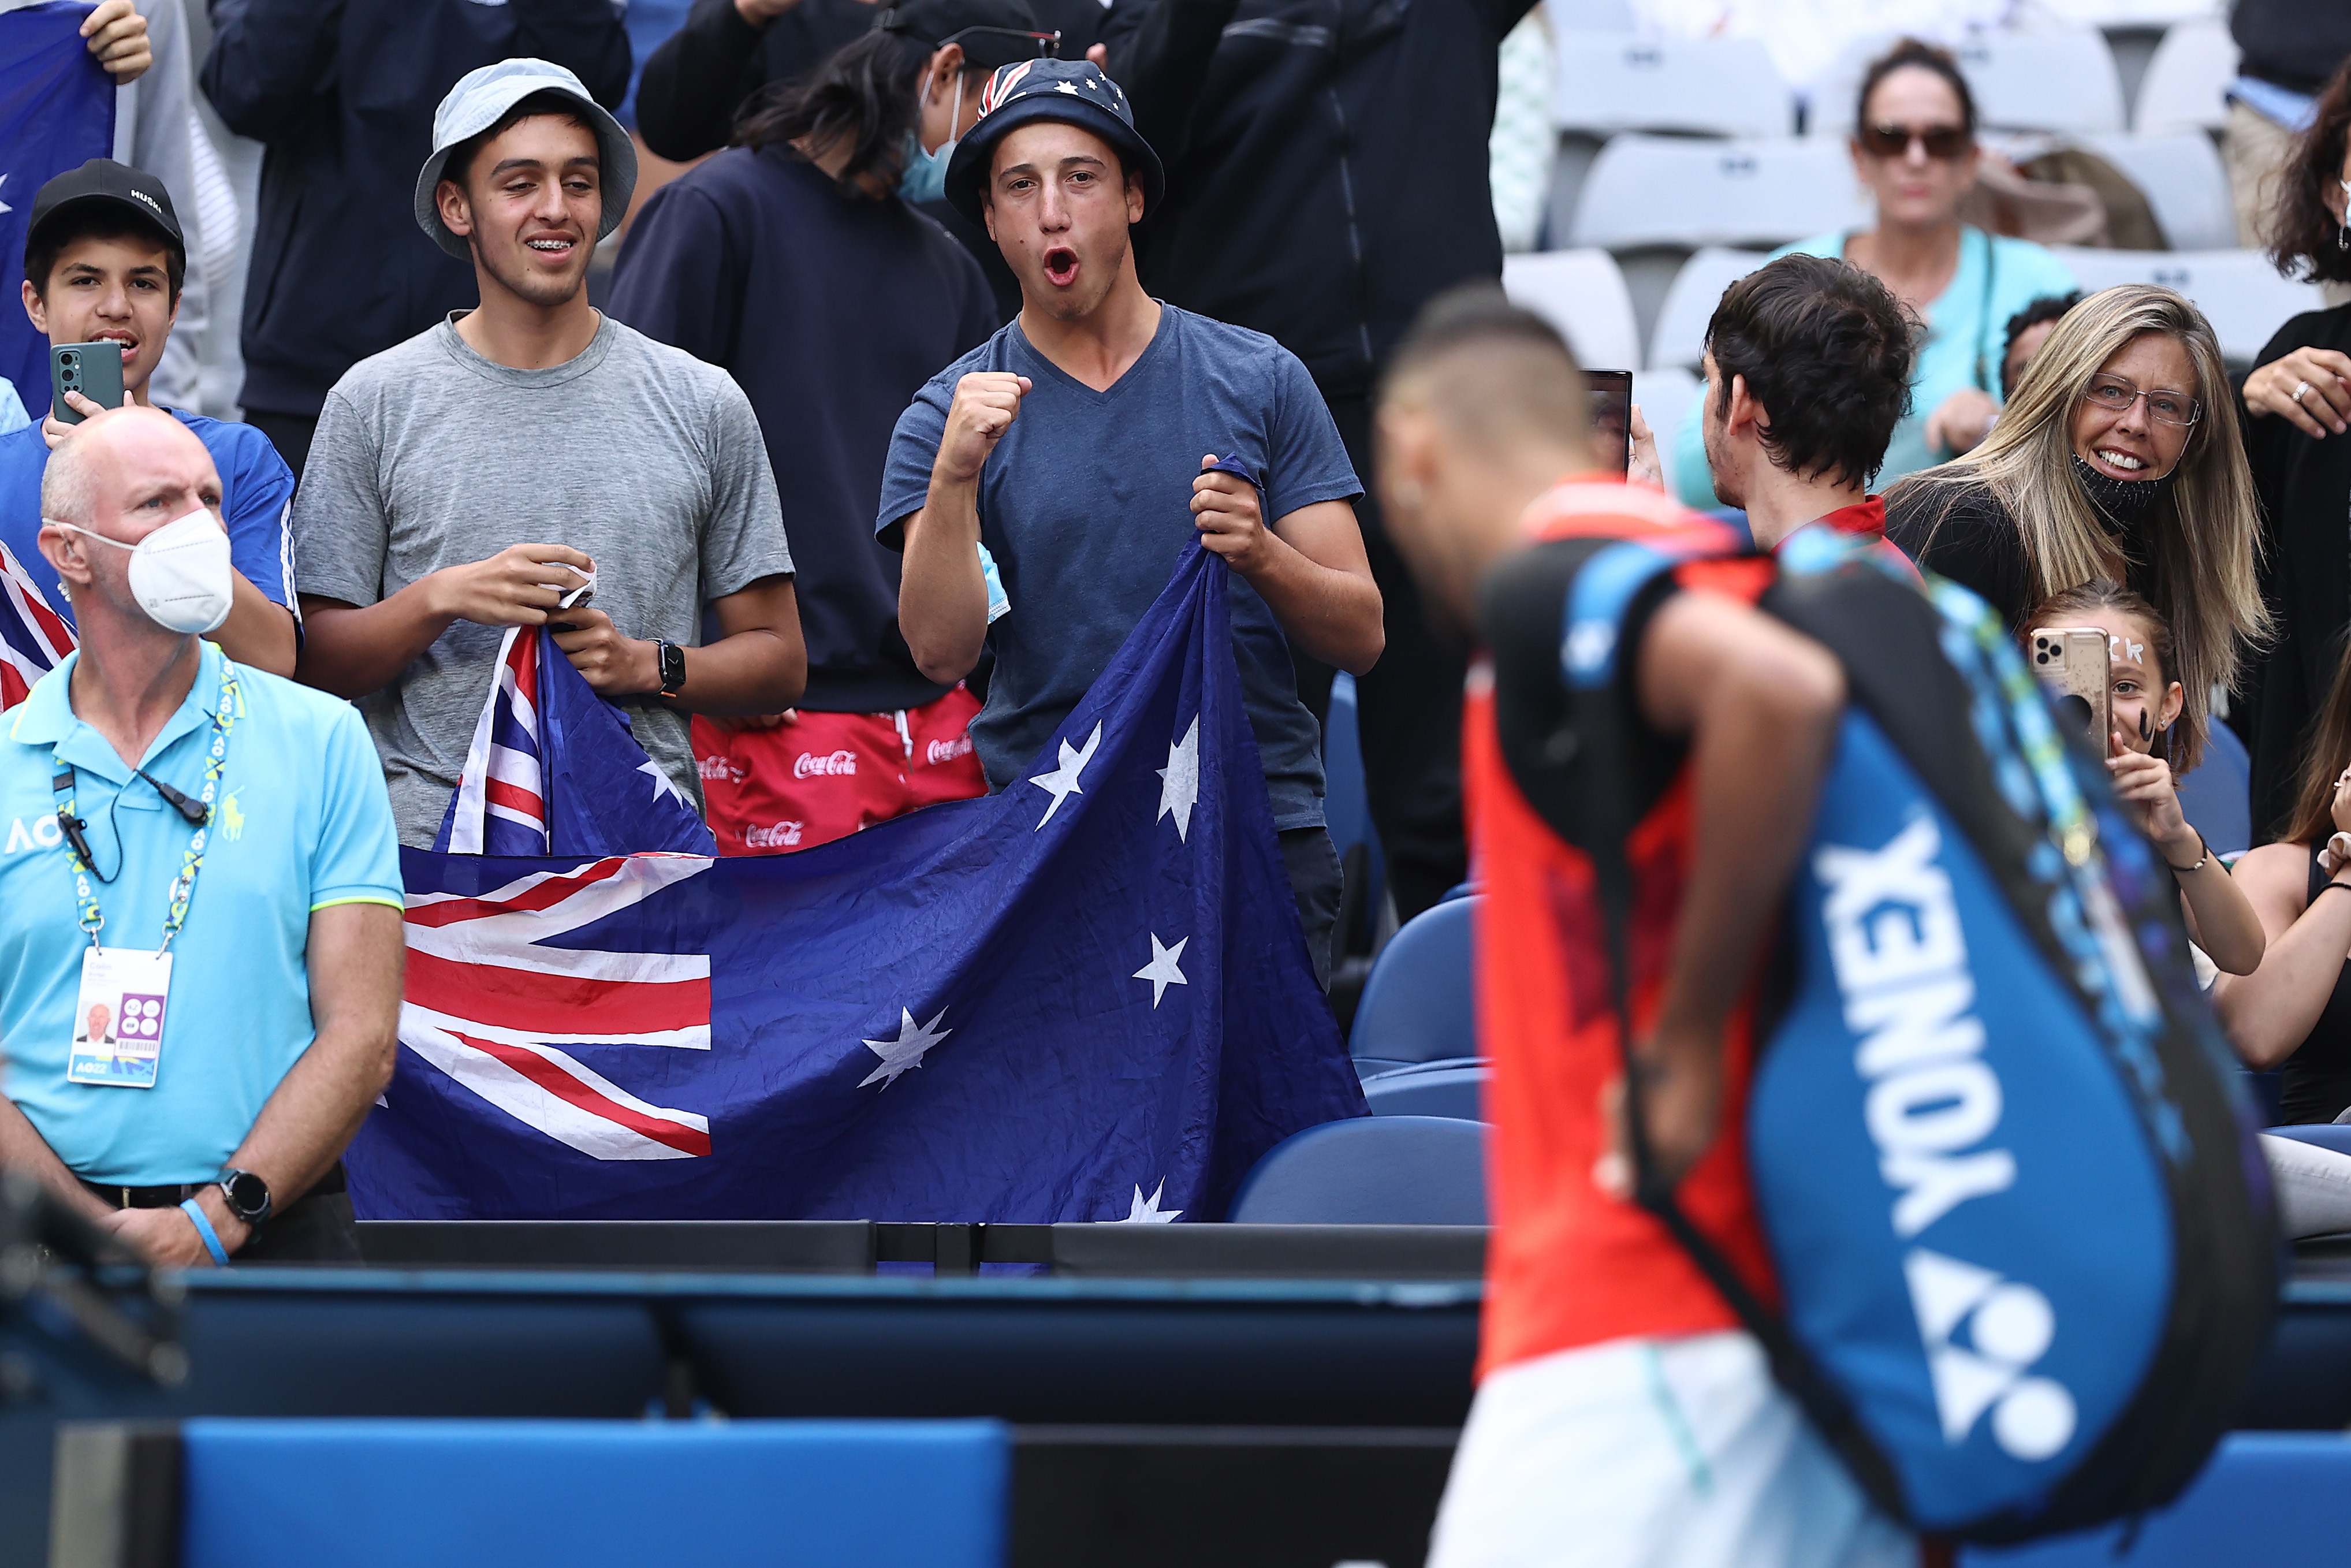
34	638
57	112
1085	997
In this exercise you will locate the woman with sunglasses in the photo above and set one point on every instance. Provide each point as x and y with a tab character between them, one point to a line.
2297	405
1914	148
2118	458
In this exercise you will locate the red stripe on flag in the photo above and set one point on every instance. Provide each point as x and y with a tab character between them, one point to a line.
554	1006
564	1087
514	797
12	689
542	896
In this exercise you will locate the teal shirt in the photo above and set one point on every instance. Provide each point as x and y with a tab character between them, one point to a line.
1968	318
301	821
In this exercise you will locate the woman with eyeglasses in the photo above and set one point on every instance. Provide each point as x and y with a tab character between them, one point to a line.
2118	458
2297	404
1914	148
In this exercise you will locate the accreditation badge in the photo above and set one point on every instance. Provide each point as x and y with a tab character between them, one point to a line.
118	1027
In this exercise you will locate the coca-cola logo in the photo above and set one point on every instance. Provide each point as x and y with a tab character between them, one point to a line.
948	750
720	769
836	764
782	836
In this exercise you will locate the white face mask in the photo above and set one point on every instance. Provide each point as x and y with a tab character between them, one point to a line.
181	573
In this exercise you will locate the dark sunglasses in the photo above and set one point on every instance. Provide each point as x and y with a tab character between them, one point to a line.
1942	142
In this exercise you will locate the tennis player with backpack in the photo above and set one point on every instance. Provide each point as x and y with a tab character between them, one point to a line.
1869	1173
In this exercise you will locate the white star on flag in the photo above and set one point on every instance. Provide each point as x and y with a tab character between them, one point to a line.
1147	1210
661	782
1063	782
905	1054
1162	971
1065	87
1179	781
4	207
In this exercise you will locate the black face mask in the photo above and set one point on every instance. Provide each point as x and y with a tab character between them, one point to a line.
2124	505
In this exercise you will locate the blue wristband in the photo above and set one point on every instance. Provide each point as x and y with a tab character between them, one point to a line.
195	1211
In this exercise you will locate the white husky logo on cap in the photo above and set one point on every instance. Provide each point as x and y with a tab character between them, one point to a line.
143	196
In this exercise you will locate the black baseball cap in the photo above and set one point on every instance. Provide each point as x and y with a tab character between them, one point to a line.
115	188
992	32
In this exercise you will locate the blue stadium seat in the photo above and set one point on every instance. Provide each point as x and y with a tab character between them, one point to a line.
1455	1087
1374	1170
2323	1135
604	1494
2275	1499
1417	1006
2216	797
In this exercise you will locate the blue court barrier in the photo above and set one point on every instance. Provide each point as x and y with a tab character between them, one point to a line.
511	1494
2278	1499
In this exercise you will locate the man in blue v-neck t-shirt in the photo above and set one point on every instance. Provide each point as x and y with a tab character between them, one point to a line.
1075	444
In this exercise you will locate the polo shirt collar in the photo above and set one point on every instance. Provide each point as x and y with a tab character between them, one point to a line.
46	719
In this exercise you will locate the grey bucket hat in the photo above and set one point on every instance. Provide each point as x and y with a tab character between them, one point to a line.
477	102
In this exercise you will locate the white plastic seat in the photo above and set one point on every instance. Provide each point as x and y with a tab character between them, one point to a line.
2184	181
2187	83
1669	191
1610	81
1583	294
2063	80
2238	290
1680	339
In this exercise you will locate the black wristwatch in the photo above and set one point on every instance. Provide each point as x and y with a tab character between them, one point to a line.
248	1197
673	665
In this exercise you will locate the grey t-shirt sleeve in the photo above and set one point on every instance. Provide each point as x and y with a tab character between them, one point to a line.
743	536
913	447
340	528
1307	460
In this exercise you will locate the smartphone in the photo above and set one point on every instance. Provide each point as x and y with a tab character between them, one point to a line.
93	370
1612	417
2077	666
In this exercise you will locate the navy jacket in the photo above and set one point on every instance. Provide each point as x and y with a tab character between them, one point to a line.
343	93
1327	162
832	311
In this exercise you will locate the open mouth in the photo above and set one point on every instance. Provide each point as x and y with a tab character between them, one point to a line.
128	344
2121	464
1062	265
555	247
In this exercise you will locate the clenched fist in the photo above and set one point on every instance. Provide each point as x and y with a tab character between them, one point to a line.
986	404
1225	511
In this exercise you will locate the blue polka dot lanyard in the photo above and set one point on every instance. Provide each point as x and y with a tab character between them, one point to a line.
183	886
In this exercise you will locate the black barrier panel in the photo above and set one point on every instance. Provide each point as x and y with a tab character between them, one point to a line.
1303	1355
2304	1382
1235	1497
706	1246
1253	1251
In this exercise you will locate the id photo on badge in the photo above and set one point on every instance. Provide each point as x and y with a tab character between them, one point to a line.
118	1017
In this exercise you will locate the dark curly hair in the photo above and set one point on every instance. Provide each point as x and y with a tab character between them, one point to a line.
863	92
1827	350
2047	307
1926	56
2302	233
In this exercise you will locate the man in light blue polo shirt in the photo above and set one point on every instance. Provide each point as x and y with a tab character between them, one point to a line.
199	897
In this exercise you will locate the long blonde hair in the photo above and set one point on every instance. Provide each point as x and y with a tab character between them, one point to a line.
2203	537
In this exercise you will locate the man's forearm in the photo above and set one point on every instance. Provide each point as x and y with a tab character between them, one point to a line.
352	650
942	593
1760	748
259	632
1333	615
23	1148
750	672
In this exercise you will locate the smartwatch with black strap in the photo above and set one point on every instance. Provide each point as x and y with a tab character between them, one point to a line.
248	1196
673	666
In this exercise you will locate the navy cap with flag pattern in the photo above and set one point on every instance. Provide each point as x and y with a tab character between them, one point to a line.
1074	92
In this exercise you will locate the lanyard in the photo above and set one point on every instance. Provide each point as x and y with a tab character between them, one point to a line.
183	886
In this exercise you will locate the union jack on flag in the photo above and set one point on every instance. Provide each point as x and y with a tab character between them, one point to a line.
34	638
607	795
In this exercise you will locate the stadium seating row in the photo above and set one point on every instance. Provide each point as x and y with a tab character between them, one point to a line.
2064	80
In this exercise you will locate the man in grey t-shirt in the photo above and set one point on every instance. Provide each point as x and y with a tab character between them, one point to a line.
468	480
